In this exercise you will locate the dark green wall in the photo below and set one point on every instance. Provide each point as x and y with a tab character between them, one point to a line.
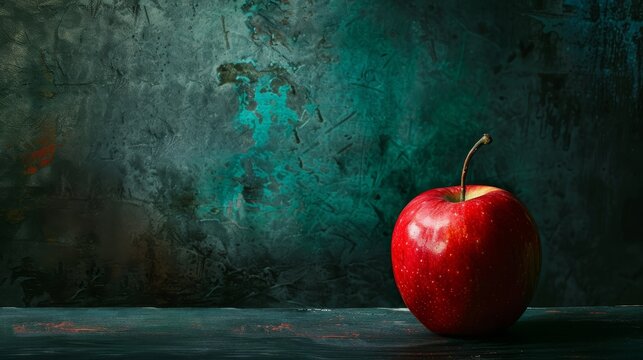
257	153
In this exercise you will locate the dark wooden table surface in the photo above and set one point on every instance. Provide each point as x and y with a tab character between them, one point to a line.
542	333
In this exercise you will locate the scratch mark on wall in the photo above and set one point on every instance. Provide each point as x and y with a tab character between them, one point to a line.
225	33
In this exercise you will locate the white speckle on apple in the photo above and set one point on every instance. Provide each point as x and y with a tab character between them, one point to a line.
414	231
437	247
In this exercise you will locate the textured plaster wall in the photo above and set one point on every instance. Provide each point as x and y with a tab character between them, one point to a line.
257	153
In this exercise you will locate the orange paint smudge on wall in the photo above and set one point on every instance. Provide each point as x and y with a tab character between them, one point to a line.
45	149
44	153
39	158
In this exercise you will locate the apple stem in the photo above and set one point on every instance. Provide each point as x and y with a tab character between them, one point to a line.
484	140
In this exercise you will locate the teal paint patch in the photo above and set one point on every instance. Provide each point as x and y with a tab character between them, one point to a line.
263	110
262	107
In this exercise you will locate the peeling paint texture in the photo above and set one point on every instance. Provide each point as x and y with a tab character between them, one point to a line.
257	153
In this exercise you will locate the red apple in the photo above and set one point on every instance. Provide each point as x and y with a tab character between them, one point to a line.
466	259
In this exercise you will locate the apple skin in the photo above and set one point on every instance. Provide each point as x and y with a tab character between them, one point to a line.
466	268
